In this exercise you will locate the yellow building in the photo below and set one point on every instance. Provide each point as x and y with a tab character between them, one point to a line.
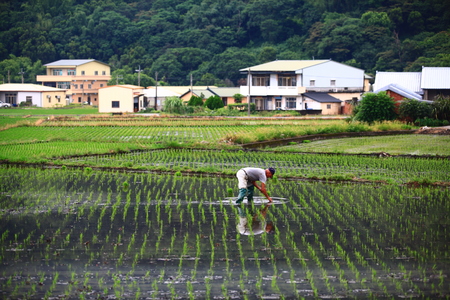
32	95
81	78
119	99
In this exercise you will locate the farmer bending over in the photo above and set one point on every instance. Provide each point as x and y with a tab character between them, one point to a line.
248	177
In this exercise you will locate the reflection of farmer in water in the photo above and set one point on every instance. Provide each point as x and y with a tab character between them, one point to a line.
247	178
254	223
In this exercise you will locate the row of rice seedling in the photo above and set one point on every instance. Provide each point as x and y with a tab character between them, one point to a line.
118	134
168	121
396	169
85	233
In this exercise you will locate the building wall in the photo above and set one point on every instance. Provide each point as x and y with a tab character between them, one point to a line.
91	67
335	108
345	96
53	99
115	93
310	104
344	76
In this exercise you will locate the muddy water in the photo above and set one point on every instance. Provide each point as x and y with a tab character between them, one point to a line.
88	234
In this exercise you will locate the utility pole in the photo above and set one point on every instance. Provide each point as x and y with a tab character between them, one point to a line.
156	90
191	82
21	73
248	98
139	75
117	79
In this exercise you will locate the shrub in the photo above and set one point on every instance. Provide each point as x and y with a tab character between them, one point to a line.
195	101
441	108
214	102
147	110
375	108
173	105
412	109
242	107
430	122
238	98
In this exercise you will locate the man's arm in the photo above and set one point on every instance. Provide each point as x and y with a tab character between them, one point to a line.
263	190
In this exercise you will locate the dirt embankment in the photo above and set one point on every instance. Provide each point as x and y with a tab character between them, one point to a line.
434	130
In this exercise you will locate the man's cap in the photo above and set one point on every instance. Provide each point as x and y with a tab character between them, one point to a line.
272	170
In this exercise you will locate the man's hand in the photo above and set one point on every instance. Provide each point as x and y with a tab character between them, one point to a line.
263	190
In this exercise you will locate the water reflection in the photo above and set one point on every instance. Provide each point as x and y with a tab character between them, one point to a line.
253	220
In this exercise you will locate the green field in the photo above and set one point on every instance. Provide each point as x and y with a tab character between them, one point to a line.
132	142
94	234
414	144
103	207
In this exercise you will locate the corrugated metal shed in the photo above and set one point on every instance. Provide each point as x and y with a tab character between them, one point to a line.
435	78
401	91
408	80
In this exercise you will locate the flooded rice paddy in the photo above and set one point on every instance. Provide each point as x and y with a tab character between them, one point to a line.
88	234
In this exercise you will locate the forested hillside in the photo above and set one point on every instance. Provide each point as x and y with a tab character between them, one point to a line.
213	39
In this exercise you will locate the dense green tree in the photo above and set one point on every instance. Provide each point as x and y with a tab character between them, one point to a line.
267	54
375	108
195	101
177	38
11	69
411	109
214	102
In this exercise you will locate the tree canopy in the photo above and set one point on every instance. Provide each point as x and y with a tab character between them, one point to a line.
182	38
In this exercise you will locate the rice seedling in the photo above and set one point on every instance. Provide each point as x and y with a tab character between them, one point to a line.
330	237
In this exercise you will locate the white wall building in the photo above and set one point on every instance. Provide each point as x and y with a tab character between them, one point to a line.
280	84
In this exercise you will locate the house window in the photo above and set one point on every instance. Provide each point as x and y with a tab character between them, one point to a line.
101	84
312	83
115	104
57	72
82	73
96	73
286	81
49	99
291	102
81	86
63	85
29	99
89	86
75	86
79	99
225	101
333	82
328	106
103	72
71	72
277	103
260	80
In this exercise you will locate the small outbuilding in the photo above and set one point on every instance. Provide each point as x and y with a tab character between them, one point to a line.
328	105
32	95
118	99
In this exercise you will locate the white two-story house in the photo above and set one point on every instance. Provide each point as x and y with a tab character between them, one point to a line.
308	86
